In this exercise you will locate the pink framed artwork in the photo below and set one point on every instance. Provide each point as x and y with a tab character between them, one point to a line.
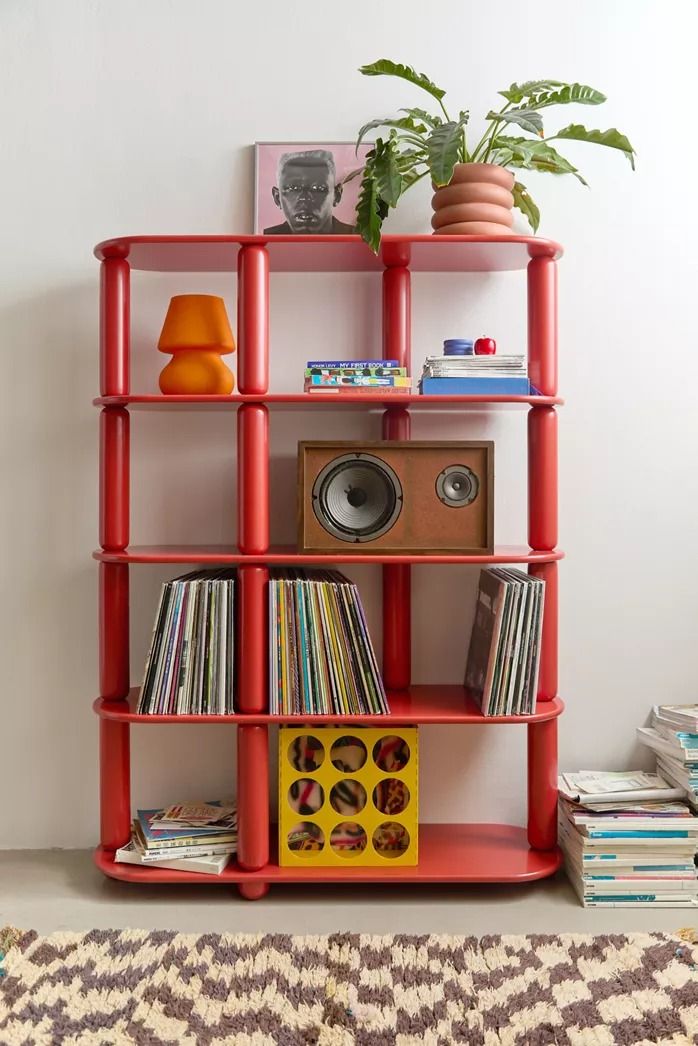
301	188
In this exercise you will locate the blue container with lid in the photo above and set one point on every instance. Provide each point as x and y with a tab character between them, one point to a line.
459	347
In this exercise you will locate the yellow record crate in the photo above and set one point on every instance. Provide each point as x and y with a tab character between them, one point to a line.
348	795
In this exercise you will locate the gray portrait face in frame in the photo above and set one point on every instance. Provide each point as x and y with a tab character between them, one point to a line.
307	191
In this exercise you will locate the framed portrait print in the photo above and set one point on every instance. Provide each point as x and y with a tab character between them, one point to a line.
301	187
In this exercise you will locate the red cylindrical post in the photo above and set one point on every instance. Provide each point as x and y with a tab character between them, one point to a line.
542	784
542	325
547	676
253	814
114	675
253	320
114	327
114	478
114	784
253	478
397	317
397	584
252	625
542	478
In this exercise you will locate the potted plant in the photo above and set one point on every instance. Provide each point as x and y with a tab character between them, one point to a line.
475	188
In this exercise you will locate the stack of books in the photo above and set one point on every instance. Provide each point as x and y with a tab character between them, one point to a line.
673	737
504	653
321	659
189	667
475	376
191	836
379	376
628	840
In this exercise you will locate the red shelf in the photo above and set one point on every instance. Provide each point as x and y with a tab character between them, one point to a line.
287	554
431	703
357	401
423	253
448	853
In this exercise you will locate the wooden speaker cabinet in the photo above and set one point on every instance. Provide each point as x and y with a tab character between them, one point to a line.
417	497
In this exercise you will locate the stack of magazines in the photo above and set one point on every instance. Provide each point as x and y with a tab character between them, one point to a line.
189	668
321	659
378	376
191	836
673	737
629	840
504	653
475	375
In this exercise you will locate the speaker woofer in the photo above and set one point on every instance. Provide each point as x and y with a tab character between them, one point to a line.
357	497
457	486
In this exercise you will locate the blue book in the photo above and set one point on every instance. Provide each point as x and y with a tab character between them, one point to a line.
476	387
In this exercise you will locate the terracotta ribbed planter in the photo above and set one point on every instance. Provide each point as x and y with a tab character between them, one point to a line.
477	201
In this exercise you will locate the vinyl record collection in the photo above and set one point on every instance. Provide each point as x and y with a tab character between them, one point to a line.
189	668
321	659
504	652
629	840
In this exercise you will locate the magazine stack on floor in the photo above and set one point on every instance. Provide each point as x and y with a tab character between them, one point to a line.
188	837
629	840
673	737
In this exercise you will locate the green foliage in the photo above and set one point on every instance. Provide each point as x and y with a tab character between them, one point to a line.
532	156
444	149
422	143
525	204
384	67
612	138
528	119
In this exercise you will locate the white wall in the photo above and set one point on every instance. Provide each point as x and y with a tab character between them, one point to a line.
138	118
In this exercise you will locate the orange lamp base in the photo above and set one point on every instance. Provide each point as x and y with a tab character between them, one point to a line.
193	372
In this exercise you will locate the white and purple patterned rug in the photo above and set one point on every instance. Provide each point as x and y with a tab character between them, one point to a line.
160	987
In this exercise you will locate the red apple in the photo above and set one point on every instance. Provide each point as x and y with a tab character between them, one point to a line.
485	347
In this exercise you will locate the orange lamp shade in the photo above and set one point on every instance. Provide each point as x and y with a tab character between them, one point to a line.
197	321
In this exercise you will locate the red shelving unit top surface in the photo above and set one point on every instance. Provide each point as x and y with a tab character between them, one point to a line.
432	703
296	401
288	554
422	253
455	853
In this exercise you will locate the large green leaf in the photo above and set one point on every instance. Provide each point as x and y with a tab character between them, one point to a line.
531	155
443	146
424	116
525	204
580	94
368	212
386	171
526	118
402	123
384	67
612	138
517	92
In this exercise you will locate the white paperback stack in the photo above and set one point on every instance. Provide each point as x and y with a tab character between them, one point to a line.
628	840
189	837
673	737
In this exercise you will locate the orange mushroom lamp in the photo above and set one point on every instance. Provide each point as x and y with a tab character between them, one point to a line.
197	333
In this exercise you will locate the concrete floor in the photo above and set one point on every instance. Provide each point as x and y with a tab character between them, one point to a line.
62	890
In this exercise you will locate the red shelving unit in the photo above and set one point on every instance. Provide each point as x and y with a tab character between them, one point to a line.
448	853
